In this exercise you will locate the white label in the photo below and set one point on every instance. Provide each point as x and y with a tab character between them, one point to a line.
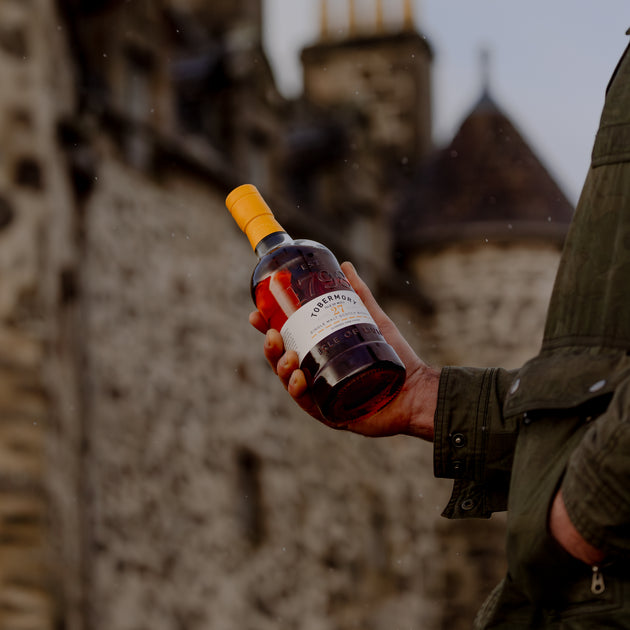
321	317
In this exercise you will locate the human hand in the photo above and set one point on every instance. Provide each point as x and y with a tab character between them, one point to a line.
411	412
568	537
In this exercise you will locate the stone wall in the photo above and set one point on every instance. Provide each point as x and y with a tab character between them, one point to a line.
490	301
34	199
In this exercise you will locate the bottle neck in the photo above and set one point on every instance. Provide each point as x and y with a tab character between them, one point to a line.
271	242
255	218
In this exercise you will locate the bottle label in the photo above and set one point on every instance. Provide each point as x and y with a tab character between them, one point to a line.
321	317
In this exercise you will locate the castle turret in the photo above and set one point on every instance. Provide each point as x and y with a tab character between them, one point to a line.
369	72
486	184
481	232
381	67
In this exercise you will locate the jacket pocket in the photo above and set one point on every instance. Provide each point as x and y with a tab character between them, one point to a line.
549	576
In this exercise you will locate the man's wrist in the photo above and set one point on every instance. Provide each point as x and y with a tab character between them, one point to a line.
422	417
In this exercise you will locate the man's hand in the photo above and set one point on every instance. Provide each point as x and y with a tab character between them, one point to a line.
565	533
411	412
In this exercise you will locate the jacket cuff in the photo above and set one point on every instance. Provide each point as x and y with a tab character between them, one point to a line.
474	444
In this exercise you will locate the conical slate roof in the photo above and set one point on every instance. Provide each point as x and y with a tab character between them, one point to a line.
487	184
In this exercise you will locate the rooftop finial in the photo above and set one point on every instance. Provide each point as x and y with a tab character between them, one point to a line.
323	19
352	17
380	20
484	60
358	21
408	19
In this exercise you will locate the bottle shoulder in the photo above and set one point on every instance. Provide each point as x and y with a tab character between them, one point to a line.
286	252
301	256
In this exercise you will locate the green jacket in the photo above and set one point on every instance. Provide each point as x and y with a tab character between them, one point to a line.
511	439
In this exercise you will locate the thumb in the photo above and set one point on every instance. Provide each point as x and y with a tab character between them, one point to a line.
386	325
363	291
380	317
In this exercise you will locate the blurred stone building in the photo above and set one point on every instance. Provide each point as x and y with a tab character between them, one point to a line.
153	473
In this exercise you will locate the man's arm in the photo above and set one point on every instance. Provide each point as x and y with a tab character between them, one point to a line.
413	412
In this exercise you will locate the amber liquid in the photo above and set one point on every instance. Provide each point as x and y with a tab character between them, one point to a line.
353	372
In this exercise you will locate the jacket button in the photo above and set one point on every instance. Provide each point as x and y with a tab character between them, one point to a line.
595	387
458	466
458	440
467	504
515	385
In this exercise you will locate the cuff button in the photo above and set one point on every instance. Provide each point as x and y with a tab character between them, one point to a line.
459	440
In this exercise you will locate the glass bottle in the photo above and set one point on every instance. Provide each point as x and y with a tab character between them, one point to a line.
300	289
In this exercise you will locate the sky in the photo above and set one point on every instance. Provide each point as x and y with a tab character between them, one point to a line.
550	62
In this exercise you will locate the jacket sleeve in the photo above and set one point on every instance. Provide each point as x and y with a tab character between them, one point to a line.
474	443
596	485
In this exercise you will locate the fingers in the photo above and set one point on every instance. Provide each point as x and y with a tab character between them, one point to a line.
298	388
258	322
284	364
273	348
297	385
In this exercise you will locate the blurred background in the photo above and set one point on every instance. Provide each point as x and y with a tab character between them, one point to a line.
153	472
549	63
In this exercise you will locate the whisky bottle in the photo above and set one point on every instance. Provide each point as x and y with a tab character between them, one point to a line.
300	289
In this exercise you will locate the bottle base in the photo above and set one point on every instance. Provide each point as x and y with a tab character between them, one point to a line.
365	395
377	378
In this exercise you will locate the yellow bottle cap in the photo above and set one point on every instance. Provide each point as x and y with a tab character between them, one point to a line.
251	213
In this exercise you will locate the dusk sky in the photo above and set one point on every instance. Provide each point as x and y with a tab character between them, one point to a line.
550	62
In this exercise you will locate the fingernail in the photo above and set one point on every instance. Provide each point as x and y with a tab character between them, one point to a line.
293	380
354	270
